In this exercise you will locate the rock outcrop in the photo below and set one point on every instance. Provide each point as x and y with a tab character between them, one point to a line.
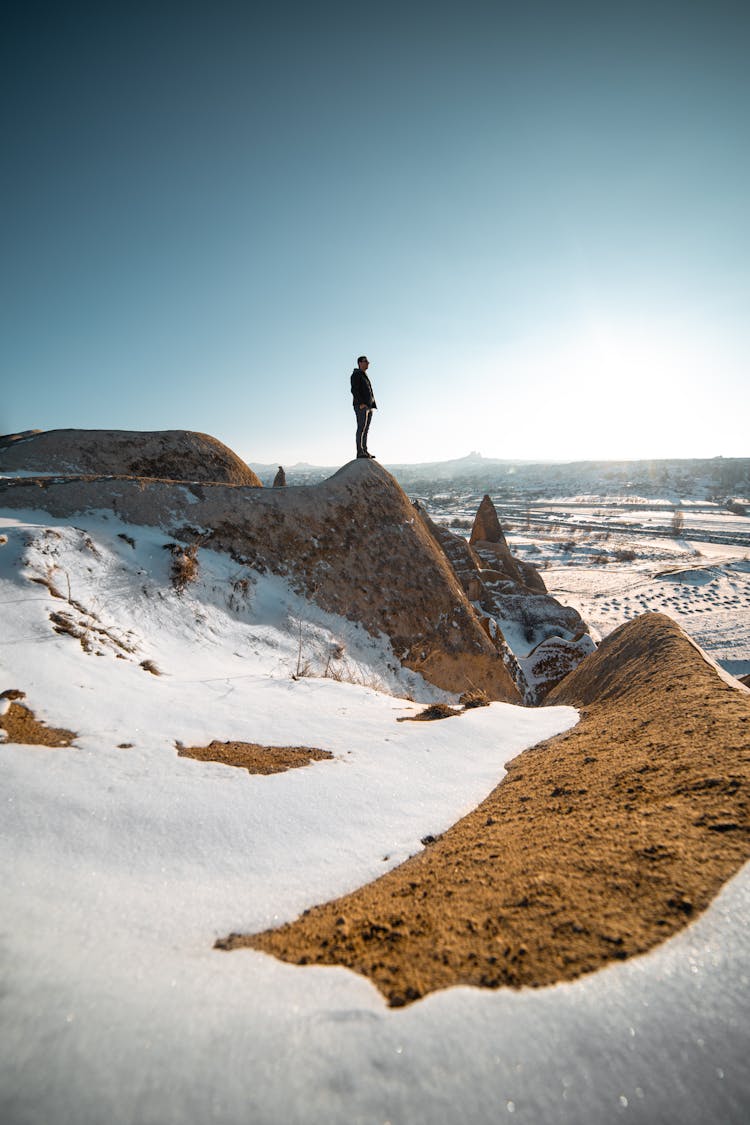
546	639
165	454
492	547
354	544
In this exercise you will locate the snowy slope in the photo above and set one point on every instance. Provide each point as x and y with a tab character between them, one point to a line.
122	863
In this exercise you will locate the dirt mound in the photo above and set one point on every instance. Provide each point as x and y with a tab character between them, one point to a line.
648	656
164	454
599	844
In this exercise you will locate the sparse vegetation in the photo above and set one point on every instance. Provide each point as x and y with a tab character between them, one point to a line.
624	554
239	596
475	697
184	568
319	656
678	522
433	711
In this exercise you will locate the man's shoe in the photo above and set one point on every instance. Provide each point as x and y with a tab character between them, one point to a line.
371	456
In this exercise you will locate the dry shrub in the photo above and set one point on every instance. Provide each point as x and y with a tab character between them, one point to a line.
475	697
184	569
624	554
434	711
239	597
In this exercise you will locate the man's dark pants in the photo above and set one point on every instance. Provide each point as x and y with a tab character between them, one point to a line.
364	417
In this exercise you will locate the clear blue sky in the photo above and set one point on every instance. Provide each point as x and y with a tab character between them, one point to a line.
532	217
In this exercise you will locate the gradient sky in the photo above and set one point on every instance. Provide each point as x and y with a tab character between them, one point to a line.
532	217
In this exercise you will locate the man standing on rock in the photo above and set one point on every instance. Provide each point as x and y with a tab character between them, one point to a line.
364	404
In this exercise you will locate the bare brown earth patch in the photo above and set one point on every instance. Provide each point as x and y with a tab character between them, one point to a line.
22	726
254	758
597	845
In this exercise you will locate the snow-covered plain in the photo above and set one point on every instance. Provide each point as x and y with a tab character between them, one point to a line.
613	557
122	862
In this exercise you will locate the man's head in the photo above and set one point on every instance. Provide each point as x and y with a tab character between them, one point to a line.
363	362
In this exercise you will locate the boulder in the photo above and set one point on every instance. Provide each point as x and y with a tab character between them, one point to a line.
163	454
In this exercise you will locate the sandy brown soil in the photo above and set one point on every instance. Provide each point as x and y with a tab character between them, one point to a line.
21	726
255	758
597	845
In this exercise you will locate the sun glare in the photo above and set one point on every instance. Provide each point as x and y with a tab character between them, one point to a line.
606	389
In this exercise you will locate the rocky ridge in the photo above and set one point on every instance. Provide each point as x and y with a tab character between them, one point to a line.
353	543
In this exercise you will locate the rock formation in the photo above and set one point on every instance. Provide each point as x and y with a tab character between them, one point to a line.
165	454
547	639
490	544
354	544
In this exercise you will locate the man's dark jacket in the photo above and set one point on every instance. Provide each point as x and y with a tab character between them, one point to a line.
362	390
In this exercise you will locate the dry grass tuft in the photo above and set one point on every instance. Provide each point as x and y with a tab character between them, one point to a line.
475	697
434	711
184	569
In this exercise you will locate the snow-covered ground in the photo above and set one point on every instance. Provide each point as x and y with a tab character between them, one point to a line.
613	557
122	862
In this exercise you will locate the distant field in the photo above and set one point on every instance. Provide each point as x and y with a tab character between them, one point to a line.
614	557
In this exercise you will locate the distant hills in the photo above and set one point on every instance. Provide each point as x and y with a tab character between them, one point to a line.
717	478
